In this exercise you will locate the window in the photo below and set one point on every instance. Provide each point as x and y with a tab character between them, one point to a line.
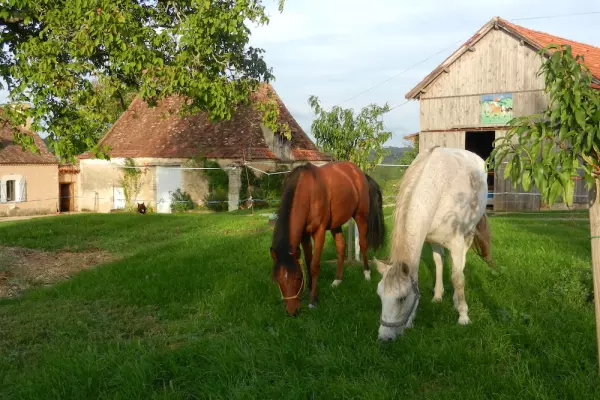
10	190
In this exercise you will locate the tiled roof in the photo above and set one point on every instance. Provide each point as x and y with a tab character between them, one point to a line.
11	153
160	132
591	54
537	39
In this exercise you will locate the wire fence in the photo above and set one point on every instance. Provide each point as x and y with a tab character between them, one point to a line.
256	190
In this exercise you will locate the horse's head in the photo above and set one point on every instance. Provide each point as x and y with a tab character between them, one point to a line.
141	208
399	294
287	272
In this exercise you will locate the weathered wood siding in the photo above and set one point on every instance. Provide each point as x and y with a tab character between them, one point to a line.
499	64
454	139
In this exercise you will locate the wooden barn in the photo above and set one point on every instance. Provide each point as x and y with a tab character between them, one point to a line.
467	101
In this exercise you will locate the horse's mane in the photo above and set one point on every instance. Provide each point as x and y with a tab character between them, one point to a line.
281	234
403	202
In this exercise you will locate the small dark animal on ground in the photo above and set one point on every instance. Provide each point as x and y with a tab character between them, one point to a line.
141	208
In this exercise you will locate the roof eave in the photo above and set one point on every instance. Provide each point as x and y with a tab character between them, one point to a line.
416	91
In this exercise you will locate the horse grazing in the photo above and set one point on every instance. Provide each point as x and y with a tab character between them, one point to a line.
315	200
141	208
442	200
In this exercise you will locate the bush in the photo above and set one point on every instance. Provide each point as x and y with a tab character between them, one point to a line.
181	201
217	200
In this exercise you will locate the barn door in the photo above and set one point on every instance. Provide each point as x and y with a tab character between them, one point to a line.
168	180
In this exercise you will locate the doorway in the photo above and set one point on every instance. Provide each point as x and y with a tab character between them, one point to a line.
482	144
66	197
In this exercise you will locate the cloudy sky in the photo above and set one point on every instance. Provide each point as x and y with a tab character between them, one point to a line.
336	49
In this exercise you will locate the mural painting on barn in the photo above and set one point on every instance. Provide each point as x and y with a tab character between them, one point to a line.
496	108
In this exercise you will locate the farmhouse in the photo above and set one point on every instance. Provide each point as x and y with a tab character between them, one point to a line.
467	100
162	141
28	181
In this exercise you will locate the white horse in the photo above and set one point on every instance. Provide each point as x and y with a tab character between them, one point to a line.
442	201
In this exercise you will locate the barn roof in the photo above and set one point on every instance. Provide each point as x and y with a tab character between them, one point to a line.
11	153
537	40
160	132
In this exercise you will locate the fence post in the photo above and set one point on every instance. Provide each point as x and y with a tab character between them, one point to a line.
356	243
349	241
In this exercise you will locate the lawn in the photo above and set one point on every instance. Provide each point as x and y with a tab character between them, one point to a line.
188	311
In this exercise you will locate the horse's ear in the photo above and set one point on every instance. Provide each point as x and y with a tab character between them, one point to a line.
382	267
273	255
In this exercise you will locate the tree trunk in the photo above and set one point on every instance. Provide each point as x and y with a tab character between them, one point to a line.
595	238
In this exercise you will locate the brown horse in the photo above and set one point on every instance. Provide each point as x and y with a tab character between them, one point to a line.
315	200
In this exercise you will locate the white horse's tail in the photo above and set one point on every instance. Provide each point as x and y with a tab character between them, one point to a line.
482	242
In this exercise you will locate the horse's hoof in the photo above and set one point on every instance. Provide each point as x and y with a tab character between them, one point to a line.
336	283
367	275
464	320
436	300
311	306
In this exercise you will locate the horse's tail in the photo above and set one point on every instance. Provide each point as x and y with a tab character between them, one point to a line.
375	222
482	242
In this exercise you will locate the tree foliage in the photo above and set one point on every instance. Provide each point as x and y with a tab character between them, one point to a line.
359	138
66	58
549	149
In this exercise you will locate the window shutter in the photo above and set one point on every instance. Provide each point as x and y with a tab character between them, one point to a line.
2	191
22	189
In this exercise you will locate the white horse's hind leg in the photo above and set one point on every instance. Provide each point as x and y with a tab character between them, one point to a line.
459	255
438	290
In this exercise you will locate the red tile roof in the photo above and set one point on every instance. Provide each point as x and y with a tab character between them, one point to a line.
11	153
590	54
160	132
537	39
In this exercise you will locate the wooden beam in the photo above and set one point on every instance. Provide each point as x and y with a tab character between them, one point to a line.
471	48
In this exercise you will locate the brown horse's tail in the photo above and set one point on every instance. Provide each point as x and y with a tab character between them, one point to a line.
482	242
375	222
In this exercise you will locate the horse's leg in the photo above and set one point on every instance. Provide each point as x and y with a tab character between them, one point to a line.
340	247
361	223
459	255
315	265
438	290
307	249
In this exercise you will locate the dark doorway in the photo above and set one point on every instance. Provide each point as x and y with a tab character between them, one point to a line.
66	197
482	144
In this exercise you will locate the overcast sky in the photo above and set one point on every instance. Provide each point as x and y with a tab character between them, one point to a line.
336	49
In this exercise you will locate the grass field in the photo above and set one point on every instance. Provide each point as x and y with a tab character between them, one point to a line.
188	311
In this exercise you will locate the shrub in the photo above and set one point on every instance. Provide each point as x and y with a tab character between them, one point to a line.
217	200
181	201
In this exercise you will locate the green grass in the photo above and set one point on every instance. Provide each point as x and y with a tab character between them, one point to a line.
190	312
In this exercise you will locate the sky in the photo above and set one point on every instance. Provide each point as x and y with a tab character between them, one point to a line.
337	49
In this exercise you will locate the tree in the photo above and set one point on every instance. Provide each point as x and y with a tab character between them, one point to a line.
551	149
359	138
54	51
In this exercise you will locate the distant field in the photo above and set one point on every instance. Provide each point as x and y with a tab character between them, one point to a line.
183	308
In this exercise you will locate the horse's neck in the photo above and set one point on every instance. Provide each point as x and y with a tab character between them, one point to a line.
300	213
413	218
